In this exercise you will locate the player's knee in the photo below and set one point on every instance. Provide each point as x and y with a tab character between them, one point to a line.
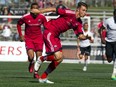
59	58
30	57
86	57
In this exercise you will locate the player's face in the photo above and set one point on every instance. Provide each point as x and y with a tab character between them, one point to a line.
34	7
85	26
81	12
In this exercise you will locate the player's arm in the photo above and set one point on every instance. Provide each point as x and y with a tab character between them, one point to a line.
83	37
59	11
92	38
0	27
79	32
45	10
19	23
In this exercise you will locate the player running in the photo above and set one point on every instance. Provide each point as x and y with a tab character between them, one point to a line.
68	20
85	46
110	26
33	35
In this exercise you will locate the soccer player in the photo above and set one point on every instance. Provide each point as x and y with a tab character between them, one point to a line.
68	20
85	45
110	25
33	35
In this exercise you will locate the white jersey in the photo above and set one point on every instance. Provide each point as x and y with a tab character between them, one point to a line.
86	43
111	29
6	32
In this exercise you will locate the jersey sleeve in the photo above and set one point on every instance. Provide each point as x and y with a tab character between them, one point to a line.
19	23
78	30
44	20
65	12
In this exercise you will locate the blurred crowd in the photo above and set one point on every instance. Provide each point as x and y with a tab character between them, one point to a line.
20	7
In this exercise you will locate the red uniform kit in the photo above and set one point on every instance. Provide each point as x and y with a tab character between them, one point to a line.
33	34
54	28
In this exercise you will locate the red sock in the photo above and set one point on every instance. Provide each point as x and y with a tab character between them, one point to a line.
52	66
48	58
44	75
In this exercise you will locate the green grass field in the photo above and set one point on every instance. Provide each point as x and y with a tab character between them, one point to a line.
14	74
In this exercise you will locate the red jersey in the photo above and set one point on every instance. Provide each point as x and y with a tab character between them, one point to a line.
66	21
32	25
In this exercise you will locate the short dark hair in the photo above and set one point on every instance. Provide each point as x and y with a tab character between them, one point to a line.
82	4
34	4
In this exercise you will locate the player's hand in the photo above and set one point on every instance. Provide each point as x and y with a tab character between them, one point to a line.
22	38
36	11
88	37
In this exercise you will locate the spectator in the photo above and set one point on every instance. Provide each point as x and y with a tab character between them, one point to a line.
15	37
6	32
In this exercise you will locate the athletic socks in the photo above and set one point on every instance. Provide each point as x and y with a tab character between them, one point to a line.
114	68
44	75
85	64
48	58
52	66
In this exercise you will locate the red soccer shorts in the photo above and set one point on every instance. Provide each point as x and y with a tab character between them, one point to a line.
36	44
52	43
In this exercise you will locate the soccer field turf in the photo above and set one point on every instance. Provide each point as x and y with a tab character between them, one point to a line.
15	74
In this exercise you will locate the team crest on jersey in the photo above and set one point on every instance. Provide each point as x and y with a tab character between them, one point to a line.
55	46
29	21
39	20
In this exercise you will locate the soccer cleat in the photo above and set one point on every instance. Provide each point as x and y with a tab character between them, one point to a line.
84	68
31	67
36	76
113	77
37	64
45	81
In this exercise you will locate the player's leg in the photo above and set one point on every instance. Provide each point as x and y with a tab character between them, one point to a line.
52	44
38	54
81	55
52	66
85	63
30	54
114	70
114	67
38	46
109	51
87	55
82	51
